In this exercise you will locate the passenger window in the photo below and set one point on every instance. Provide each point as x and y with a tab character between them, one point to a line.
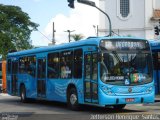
53	65
78	63
66	64
22	65
27	65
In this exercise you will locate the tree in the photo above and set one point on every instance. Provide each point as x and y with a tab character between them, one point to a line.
77	37
15	29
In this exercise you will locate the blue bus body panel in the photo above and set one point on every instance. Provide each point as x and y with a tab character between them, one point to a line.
56	89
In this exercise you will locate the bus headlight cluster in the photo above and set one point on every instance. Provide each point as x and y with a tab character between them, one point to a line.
107	90
149	90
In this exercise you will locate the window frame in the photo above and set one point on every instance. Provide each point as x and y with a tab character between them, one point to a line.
119	15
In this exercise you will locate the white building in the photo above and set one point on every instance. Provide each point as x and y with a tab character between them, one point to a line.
130	17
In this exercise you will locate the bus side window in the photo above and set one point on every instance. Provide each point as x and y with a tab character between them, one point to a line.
31	66
21	65
78	63
28	65
66	64
53	65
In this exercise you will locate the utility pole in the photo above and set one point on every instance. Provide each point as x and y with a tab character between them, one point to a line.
53	37
96	29
69	34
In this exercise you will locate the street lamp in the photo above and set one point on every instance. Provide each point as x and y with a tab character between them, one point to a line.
96	29
91	3
69	34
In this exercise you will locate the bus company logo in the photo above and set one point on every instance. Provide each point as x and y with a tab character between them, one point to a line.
130	90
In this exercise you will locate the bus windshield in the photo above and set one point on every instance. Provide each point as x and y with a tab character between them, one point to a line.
126	67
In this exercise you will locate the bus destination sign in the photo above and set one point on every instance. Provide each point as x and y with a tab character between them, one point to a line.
123	45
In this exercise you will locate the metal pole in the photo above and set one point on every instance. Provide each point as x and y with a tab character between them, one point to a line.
69	34
53	39
109	20
91	3
97	31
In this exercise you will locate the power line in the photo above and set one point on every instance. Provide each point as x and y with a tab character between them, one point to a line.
44	35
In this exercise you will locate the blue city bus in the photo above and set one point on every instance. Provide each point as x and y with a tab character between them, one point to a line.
155	47
100	71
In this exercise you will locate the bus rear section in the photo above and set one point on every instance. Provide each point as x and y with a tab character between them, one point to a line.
126	75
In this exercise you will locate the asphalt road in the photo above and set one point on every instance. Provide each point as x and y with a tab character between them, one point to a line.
12	109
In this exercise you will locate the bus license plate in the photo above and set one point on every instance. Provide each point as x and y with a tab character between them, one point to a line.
129	99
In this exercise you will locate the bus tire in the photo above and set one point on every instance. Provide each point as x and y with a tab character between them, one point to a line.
72	99
23	94
119	107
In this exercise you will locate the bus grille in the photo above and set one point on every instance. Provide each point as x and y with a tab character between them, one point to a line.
125	90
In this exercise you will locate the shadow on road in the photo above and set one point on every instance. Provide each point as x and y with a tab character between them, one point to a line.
58	106
157	100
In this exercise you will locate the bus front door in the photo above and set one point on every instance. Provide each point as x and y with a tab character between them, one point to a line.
91	78
41	78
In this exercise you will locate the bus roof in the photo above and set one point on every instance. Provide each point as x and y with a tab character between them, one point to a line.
88	41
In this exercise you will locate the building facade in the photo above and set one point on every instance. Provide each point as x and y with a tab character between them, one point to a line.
130	17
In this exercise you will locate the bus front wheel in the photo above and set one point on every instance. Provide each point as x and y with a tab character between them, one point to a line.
72	99
23	94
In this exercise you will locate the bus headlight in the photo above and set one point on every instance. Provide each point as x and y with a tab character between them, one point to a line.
107	90
149	90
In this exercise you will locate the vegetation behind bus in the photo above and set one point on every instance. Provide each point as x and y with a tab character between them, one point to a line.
15	29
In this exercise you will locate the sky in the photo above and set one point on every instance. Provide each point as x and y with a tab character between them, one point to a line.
45	12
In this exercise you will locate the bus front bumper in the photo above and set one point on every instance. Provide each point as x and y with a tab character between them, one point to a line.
126	99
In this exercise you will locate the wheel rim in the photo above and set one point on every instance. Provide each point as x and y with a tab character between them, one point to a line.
73	99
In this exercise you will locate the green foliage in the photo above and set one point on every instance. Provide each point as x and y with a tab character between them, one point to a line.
15	29
77	37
